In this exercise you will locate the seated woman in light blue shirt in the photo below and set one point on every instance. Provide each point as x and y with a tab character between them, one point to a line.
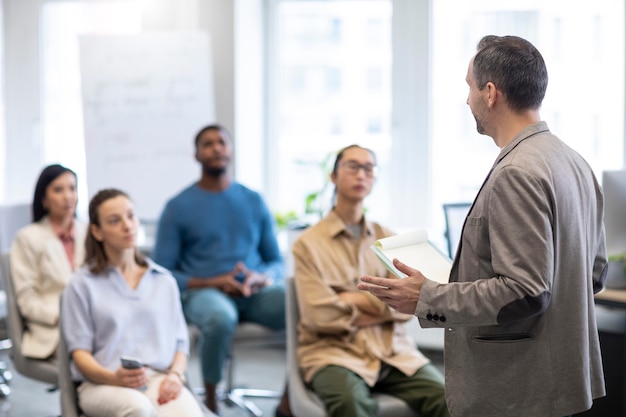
122	304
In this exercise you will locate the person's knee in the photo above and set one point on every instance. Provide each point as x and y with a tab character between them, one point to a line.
218	324
139	407
270	308
348	403
209	309
343	393
96	399
359	400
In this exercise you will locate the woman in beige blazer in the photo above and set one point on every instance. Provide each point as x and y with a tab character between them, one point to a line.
43	256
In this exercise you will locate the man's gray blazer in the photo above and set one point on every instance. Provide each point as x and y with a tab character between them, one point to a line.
521	336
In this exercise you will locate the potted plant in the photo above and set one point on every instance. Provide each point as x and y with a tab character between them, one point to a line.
314	204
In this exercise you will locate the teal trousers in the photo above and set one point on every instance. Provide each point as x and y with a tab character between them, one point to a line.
345	394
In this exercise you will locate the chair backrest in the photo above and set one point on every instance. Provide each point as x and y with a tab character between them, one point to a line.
302	400
68	397
14	319
12	218
41	370
455	214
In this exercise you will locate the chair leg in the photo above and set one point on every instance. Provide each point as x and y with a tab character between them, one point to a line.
5	378
234	397
5	390
231	395
5	373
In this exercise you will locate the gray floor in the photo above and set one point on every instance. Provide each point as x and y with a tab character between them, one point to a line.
259	368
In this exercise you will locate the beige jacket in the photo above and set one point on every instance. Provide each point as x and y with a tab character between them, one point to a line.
40	270
328	260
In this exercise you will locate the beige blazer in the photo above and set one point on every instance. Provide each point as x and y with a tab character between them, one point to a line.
40	270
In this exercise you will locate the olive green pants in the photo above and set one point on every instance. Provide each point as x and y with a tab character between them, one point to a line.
345	394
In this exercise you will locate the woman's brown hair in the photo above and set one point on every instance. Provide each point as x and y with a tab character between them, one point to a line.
95	255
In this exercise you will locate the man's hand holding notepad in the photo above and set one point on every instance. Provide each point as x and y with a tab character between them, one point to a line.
415	250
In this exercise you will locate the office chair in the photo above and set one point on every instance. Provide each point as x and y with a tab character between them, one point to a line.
455	214
303	401
68	397
5	344
12	218
41	370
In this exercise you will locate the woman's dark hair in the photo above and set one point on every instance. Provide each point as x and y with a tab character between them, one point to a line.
343	151
95	255
49	174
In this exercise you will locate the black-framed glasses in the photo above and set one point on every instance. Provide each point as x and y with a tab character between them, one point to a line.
353	167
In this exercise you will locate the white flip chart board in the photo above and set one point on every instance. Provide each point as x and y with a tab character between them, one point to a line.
144	98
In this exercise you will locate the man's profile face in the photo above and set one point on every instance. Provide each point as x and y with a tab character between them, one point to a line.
213	151
476	99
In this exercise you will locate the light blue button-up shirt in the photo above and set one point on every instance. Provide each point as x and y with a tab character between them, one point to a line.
105	316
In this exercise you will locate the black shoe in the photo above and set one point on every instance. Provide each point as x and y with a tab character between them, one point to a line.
279	413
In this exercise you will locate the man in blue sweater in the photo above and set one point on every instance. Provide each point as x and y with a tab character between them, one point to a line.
217	237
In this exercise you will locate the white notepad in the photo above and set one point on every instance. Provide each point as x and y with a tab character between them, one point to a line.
415	250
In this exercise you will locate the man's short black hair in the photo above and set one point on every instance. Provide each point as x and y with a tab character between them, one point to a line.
214	126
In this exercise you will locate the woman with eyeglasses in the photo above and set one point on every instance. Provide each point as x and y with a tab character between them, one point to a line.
43	256
351	343
120	305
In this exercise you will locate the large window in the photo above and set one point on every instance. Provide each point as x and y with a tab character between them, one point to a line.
583	47
2	112
332	69
333	81
333	89
62	24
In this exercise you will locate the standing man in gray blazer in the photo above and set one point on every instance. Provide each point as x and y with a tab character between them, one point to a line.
521	336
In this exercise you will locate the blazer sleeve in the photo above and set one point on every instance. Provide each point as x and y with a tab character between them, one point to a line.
26	274
600	263
509	271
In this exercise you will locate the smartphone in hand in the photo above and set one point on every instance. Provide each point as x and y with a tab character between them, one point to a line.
240	277
131	363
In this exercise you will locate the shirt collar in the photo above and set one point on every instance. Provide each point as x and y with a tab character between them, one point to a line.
335	226
527	132
152	267
62	234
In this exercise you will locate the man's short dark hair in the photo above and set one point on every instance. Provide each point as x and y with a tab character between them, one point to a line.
214	126
515	66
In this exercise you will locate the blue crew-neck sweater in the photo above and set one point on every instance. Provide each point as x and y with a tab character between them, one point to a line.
204	233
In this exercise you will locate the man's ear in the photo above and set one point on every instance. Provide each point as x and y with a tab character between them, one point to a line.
492	93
